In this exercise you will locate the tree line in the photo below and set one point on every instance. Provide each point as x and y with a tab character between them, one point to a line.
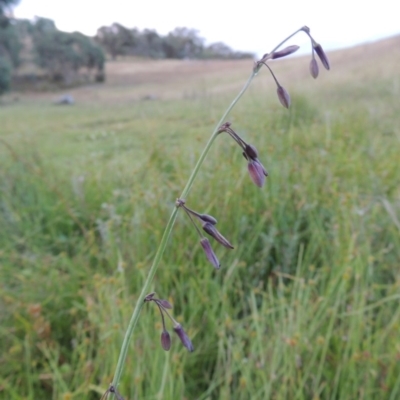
69	58
181	43
61	55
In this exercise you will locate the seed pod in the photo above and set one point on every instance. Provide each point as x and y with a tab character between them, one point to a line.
183	337
322	56
212	231
165	340
284	52
283	96
205	243
314	70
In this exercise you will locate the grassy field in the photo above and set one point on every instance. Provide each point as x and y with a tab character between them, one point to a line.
307	304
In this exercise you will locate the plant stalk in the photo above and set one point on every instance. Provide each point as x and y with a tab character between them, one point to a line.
168	230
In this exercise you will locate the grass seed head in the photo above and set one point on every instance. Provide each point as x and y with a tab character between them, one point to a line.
322	56
213	231
205	243
165	340
314	70
283	96
283	53
183	337
257	172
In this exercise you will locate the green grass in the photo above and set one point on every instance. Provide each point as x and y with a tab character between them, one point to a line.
305	307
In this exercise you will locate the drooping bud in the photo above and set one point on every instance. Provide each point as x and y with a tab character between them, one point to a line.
207	218
205	243
183	337
284	52
250	151
164	304
257	172
283	96
212	231
314	70
322	56
165	340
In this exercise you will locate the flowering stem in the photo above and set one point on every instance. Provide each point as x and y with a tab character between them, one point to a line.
168	230
164	240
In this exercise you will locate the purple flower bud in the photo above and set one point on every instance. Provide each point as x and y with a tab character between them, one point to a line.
314	70
207	218
164	304
257	172
285	52
210	253
183	337
251	151
283	96
165	340
212	231
322	56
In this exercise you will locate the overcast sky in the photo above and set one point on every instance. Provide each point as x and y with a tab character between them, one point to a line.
247	25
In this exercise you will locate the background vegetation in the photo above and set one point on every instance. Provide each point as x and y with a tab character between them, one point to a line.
35	55
305	307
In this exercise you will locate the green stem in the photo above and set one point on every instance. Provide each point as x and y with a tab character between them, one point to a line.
164	240
168	230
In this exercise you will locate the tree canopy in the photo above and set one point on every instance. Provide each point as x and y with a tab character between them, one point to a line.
63	54
9	46
181	43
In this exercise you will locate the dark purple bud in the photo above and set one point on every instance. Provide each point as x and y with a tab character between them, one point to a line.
183	337
164	304
165	340
212	231
314	70
210	253
257	172
251	151
285	52
149	297
322	56
207	218
283	96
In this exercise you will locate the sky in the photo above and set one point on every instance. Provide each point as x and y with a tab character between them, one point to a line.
247	25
